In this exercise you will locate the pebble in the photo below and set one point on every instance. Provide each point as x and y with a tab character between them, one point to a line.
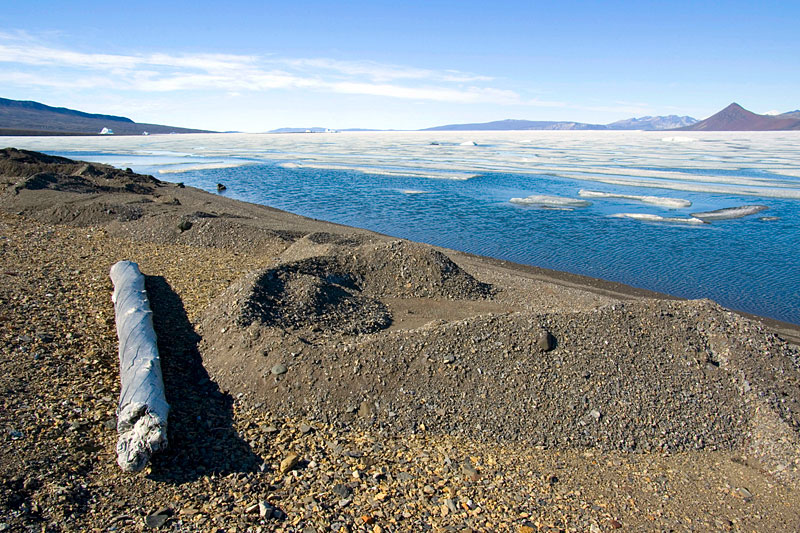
289	463
279	369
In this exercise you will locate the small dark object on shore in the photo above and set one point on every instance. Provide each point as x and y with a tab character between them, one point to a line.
221	187
181	185
185	225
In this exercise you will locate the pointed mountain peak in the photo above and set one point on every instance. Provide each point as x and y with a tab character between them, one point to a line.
736	118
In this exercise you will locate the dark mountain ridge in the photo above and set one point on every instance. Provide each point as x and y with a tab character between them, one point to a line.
19	117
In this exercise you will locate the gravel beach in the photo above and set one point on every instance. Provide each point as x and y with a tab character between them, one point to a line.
325	378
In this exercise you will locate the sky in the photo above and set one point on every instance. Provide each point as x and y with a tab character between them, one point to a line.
250	65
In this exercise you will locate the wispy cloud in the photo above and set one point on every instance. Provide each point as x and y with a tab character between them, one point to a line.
27	61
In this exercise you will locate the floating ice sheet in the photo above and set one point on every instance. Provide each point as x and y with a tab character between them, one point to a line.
731	212
673	203
543	200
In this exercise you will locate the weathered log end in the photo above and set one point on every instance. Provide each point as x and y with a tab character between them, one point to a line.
141	433
142	411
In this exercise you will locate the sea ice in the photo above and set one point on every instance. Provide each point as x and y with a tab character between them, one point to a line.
673	203
647	217
543	200
731	212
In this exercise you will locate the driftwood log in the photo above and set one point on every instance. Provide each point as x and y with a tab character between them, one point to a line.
143	409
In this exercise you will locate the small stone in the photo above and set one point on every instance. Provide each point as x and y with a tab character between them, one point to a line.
365	409
158	518
526	529
265	510
342	490
470	472
450	504
289	462
270	429
744	493
449	358
305	428
594	413
545	342
279	369
614	524
185	225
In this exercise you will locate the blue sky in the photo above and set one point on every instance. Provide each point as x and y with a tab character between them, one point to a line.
255	66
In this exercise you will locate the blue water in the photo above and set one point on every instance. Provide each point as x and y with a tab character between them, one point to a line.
747	264
744	264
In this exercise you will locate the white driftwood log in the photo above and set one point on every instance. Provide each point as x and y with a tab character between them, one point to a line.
142	410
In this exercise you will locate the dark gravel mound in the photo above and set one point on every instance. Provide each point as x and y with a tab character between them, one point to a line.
341	293
408	270
40	171
639	377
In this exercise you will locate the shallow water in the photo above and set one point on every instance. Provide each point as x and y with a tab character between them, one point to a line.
641	187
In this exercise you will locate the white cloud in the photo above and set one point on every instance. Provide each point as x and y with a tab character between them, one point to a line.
25	61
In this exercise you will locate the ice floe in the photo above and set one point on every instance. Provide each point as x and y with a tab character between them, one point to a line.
647	217
728	213
543	200
673	203
202	166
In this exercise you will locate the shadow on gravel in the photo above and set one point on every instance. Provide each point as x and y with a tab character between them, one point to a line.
201	436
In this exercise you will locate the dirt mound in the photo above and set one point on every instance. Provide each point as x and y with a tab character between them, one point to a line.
36	171
639	377
25	163
341	293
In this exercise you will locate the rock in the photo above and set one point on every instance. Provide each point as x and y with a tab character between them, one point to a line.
594	413
342	490
614	524
470	472
185	225
305	428
449	358
545	341
265	510
158	518
279	369
289	462
221	187
365	409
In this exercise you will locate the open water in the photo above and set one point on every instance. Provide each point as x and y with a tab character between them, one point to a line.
612	205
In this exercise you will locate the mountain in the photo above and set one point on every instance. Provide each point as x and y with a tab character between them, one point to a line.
510	124
643	123
652	123
736	118
791	114
315	129
19	117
